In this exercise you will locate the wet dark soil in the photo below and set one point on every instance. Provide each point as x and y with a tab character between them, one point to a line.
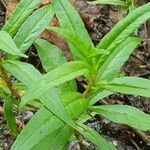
99	20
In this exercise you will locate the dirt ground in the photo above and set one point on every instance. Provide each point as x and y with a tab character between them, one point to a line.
99	20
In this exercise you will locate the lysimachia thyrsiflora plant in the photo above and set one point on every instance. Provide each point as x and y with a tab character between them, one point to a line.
62	110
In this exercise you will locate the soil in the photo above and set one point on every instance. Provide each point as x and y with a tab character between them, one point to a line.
99	20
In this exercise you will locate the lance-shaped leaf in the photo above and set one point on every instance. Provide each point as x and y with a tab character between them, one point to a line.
129	85
57	140
52	101
95	138
79	48
19	15
125	115
8	45
24	72
62	74
71	22
125	27
109	2
45	123
51	58
40	126
99	95
10	116
117	58
36	23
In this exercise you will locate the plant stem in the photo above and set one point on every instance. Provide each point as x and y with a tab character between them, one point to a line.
5	77
92	80
18	122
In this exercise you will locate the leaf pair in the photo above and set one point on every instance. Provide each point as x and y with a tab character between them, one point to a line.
20	19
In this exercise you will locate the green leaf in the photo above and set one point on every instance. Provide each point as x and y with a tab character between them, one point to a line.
129	85
52	102
55	141
125	27
24	72
7	44
99	95
98	52
62	74
19	15
72	24
79	47
50	56
95	138
61	139
124	114
44	123
39	127
81	104
117	58
70	20
10	116
110	2
36	24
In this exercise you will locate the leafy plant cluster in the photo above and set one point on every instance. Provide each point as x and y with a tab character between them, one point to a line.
62	110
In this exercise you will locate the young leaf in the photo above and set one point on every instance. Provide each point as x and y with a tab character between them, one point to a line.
125	27
95	138
110	2
7	44
71	22
79	47
24	72
99	95
129	85
81	104
54	78
36	23
125	115
19	15
9	116
50	56
117	58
